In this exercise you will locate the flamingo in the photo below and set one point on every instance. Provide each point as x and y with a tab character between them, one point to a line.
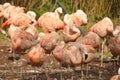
50	21
37	55
74	53
19	20
90	38
21	40
103	27
79	18
31	28
10	10
49	41
6	12
70	32
32	14
114	45
18	17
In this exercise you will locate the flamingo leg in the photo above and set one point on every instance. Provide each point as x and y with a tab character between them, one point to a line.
102	52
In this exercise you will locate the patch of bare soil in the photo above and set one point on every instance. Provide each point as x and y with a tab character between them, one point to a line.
20	68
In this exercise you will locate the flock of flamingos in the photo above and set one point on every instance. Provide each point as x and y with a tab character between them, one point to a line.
68	47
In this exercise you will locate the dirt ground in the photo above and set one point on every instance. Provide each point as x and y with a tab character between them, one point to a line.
21	68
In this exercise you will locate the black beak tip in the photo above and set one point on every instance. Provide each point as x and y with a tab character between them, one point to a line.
31	22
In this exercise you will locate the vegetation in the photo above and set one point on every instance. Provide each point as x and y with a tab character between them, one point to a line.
95	9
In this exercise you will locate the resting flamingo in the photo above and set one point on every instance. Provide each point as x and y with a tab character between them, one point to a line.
49	41
90	38
20	39
50	21
74	53
37	55
70	32
103	27
114	45
10	10
19	20
79	18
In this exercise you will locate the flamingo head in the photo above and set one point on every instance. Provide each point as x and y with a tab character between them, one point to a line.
59	10
6	5
32	14
68	21
83	16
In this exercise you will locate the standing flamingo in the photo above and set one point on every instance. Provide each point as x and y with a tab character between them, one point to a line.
102	28
50	21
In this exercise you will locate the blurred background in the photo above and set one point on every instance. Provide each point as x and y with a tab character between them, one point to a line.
95	9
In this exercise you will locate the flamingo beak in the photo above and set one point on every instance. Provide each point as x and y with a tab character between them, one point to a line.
37	24
6	24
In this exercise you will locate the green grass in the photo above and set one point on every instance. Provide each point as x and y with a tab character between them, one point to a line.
2	37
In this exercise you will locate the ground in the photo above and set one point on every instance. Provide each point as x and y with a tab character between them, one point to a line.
21	68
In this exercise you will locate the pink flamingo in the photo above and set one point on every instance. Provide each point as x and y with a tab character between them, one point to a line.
32	30
103	27
37	55
50	21
10	10
70	32
19	20
21	40
90	39
49	41
114	45
79	18
74	53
